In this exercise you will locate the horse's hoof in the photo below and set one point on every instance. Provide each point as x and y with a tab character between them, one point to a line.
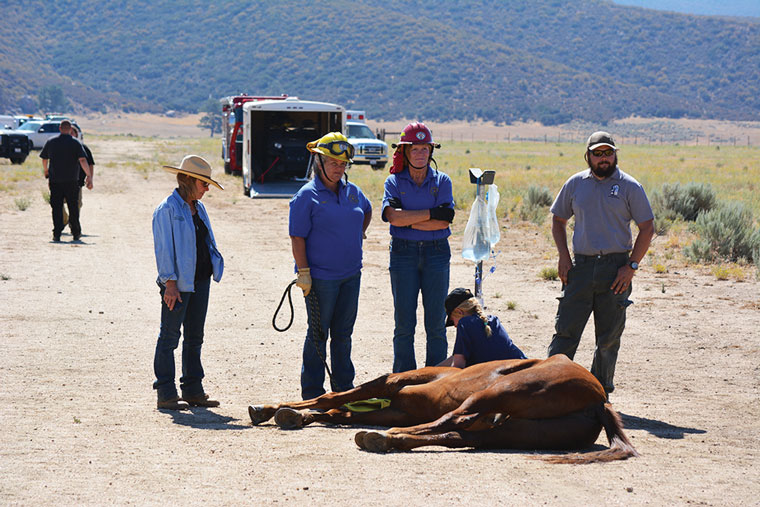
257	414
359	439
288	419
374	441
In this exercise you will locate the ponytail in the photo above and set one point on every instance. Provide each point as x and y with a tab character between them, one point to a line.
472	307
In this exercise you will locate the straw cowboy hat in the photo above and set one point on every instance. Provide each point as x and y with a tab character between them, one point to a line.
195	166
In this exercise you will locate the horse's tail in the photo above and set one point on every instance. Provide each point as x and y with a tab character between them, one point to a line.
620	447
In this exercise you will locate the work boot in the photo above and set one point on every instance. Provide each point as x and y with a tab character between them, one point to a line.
200	400
172	404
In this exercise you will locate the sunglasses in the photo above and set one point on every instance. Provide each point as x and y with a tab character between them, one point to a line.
204	184
339	148
603	153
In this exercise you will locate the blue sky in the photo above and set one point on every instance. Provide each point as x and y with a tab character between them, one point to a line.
710	7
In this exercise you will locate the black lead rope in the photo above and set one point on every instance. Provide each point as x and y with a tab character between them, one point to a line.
282	300
313	304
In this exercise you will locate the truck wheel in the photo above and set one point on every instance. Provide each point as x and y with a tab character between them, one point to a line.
378	167
16	160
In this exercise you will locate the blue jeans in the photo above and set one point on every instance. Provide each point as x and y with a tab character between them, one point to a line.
419	266
337	302
588	290
191	316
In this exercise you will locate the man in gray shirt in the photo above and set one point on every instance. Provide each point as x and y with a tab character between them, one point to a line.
604	200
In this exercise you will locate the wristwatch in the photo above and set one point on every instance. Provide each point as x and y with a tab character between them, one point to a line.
634	265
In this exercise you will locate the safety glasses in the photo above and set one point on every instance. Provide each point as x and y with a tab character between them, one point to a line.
339	148
603	153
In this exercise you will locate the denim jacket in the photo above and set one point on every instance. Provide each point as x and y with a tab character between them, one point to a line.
174	242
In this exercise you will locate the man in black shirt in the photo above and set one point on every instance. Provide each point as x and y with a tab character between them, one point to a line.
82	175
62	156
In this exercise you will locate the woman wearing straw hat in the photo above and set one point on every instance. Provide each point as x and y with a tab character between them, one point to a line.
328	218
187	258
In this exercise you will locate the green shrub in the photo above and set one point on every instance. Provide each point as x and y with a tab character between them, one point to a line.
725	233
534	205
687	202
549	274
539	196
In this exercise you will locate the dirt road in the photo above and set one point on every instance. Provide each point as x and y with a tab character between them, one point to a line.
79	325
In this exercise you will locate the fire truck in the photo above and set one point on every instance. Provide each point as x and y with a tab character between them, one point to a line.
232	129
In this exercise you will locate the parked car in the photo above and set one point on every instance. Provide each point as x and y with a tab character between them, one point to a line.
7	122
14	146
368	149
39	132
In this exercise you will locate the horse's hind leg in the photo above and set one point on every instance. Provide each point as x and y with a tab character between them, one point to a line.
383	441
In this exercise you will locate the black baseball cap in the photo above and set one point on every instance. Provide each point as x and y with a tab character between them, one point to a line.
455	298
598	139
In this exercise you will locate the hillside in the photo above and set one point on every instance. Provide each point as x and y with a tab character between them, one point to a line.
503	61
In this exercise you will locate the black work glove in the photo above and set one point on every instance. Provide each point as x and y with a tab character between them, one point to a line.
442	212
395	203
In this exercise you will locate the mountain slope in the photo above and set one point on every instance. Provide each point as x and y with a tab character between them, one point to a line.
547	60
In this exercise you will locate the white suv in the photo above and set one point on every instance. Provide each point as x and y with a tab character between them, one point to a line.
39	132
367	148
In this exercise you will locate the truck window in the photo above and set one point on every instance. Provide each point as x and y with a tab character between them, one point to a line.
360	131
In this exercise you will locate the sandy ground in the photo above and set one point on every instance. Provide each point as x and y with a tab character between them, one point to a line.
79	325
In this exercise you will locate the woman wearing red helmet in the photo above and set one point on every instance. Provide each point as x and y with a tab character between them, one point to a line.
419	204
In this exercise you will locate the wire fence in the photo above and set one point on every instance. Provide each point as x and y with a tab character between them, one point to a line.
575	138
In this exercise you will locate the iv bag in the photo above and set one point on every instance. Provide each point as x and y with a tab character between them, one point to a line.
476	245
494	235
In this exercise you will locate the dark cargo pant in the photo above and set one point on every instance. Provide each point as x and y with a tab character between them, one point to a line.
588	290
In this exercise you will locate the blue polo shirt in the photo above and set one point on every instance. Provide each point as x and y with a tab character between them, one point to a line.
476	347
333	226
434	191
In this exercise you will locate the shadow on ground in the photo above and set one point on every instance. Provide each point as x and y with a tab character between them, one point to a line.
657	428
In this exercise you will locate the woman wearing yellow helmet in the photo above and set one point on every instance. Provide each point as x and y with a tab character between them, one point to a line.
328	218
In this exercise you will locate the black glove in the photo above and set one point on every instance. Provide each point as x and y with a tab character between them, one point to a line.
395	203
442	212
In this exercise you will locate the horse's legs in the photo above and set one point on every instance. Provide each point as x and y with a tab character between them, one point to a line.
382	387
573	431
287	418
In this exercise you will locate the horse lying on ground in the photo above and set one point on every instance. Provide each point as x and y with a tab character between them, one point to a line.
549	403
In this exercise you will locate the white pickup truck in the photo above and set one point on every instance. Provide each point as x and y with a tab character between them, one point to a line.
368	149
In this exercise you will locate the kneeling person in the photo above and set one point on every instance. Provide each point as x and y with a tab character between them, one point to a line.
480	337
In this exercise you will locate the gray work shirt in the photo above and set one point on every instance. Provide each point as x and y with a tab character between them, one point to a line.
603	211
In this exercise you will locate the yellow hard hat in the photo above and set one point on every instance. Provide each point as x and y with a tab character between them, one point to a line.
333	145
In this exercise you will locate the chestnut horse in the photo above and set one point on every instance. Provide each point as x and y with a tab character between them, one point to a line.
549	403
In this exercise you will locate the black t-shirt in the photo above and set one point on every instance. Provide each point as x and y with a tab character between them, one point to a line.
90	161
64	153
203	268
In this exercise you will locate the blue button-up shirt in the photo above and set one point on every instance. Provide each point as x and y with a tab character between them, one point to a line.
333	226
435	190
174	242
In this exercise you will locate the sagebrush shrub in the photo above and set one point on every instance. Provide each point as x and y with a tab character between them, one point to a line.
725	233
686	202
538	196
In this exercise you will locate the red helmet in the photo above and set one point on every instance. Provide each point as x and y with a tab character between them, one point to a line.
416	133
